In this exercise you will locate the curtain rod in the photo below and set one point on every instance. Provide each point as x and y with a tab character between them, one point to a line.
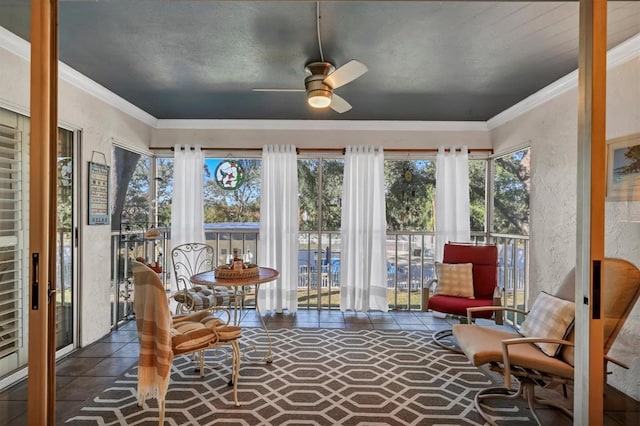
342	150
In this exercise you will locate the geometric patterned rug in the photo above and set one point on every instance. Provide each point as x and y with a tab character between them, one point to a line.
318	377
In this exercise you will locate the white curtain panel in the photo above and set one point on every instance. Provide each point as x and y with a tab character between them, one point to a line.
452	197
278	245
363	272
187	209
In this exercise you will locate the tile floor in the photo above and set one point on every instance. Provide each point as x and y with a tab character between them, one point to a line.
87	371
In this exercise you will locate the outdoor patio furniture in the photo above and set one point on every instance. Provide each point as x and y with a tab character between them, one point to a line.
188	260
163	337
466	278
540	353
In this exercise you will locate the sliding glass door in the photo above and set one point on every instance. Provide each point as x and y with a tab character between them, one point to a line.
14	219
65	240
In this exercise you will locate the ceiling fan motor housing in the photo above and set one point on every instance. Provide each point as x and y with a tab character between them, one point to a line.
319	68
316	87
314	82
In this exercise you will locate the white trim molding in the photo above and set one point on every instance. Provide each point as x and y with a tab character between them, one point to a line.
620	54
22	49
14	44
89	86
129	147
453	126
10	106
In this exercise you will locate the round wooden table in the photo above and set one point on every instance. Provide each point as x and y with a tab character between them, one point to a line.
265	275
209	278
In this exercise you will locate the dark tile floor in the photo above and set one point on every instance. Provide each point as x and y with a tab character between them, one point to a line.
87	371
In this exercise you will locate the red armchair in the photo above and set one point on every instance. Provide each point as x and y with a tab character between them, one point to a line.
480	292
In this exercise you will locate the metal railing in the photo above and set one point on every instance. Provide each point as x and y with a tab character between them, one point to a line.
410	264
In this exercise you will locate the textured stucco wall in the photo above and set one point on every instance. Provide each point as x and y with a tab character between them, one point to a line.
623	218
551	129
100	124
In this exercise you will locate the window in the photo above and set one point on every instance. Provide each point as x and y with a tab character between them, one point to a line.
240	205
478	194
131	183
131	217
64	240
327	182
410	191
164	190
411	187
320	207
511	186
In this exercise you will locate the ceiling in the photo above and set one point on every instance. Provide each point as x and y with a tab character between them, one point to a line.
431	61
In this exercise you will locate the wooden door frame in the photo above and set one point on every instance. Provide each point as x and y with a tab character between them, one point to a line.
590	223
42	207
589	368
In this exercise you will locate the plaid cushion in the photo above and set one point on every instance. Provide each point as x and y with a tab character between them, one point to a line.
549	317
198	298
190	334
455	279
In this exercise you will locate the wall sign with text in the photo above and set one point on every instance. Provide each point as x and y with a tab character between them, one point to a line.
98	194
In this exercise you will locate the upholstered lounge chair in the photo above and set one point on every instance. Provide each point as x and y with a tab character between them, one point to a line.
541	352
466	278
163	337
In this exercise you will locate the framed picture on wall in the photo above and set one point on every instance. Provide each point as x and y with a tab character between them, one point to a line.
623	168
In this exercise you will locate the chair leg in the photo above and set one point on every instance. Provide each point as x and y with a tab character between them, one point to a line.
201	360
444	339
526	391
532	398
494	393
161	412
235	370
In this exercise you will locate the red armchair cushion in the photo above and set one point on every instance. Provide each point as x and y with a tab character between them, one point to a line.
458	305
485	267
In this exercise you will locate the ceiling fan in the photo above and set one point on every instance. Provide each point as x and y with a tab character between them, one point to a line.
323	78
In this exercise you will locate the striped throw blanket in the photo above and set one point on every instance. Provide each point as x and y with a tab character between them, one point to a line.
153	321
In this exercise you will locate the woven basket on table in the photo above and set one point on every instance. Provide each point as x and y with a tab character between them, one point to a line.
224	272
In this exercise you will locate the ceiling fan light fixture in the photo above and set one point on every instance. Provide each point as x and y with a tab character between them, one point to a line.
319	98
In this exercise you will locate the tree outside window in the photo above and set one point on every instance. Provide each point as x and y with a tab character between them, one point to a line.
512	185
330	193
239	205
478	194
410	193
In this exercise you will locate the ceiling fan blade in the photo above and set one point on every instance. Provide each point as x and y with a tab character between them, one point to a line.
277	90
338	104
346	73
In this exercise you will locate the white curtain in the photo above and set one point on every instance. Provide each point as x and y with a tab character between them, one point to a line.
452	197
278	245
187	210
363	275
